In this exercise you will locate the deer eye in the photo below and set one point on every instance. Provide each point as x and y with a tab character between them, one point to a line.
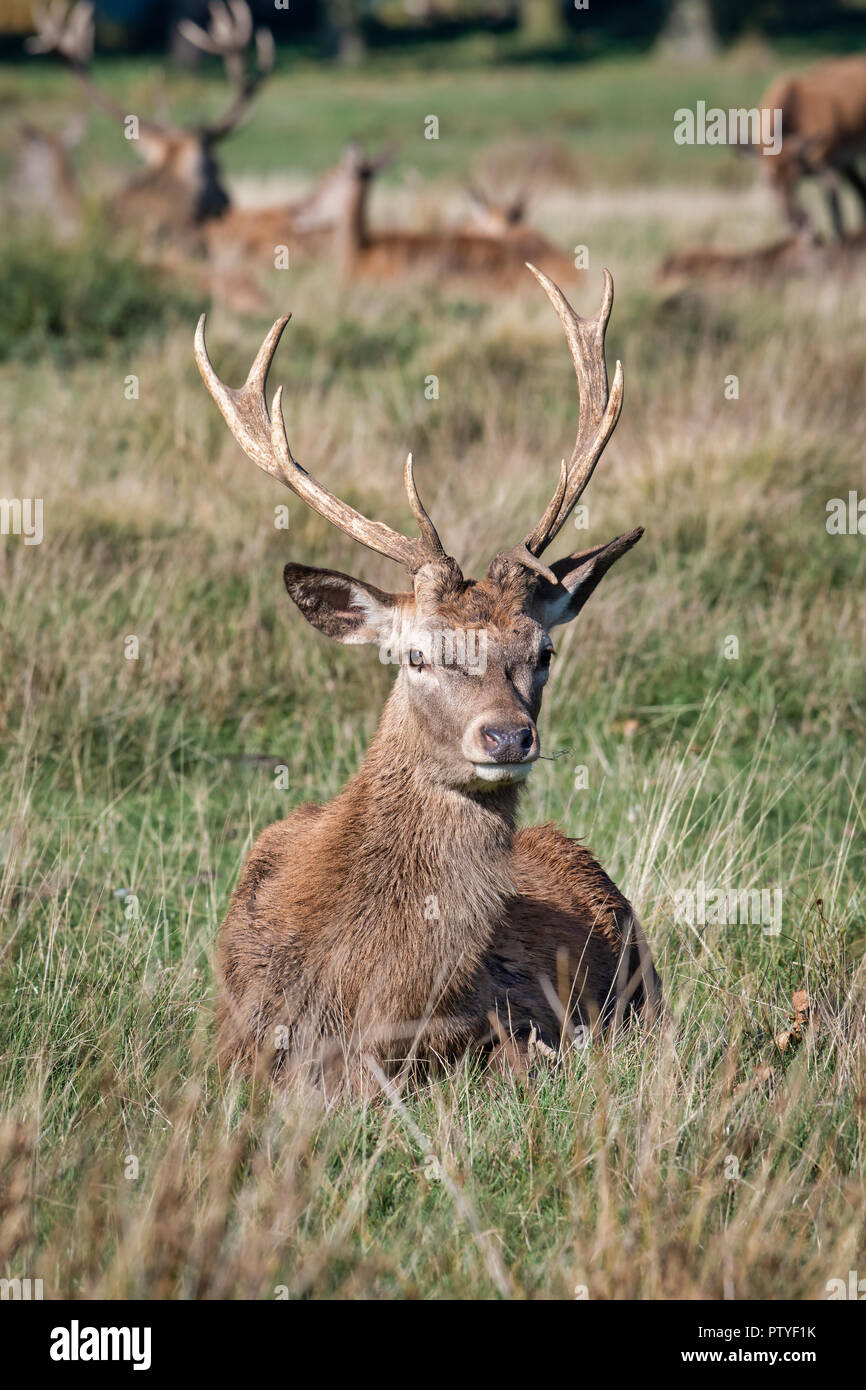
416	659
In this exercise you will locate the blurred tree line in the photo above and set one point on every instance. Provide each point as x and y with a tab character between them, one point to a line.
344	29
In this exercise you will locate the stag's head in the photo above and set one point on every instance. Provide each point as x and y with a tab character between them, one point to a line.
473	656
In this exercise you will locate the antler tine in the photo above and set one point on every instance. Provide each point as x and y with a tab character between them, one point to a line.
232	23
266	53
245	411
64	29
428	531
262	436
229	31
599	406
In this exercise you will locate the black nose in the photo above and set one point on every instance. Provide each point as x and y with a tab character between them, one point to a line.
508	745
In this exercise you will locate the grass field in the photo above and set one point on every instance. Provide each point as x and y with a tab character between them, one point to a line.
131	789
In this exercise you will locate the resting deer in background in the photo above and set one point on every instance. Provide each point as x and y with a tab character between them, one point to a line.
182	185
493	218
408	917
823	135
257	231
761	265
361	252
244	242
43	178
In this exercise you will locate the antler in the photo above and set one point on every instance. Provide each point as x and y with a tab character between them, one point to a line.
599	412
228	36
65	30
262	436
68	31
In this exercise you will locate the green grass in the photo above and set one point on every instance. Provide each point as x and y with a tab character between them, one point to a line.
613	121
79	301
130	790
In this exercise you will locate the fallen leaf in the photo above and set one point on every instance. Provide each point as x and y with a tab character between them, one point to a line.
804	1018
763	1079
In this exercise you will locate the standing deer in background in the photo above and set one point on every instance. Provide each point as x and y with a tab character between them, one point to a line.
461	252
823	135
408	918
182	185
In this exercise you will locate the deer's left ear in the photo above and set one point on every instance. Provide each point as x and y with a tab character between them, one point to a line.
578	576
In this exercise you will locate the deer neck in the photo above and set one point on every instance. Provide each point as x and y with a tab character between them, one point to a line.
430	864
351	226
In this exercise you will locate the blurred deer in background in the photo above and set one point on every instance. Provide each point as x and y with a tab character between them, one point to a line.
823	130
497	251
179	204
794	255
409	918
43	179
823	136
182	185
494	218
244	242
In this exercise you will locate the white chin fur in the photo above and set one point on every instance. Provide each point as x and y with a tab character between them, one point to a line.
502	772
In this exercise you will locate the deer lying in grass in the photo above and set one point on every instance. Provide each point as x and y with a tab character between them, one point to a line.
487	253
796	255
256	232
409	917
823	135
493	218
182	185
43	179
246	241
704	263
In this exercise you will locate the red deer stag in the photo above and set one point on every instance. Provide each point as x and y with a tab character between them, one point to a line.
182	186
497	255
408	917
823	135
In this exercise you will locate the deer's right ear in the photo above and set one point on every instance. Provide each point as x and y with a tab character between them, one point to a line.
340	606
578	576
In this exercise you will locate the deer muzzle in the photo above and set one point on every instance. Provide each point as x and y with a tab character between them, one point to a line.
504	746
